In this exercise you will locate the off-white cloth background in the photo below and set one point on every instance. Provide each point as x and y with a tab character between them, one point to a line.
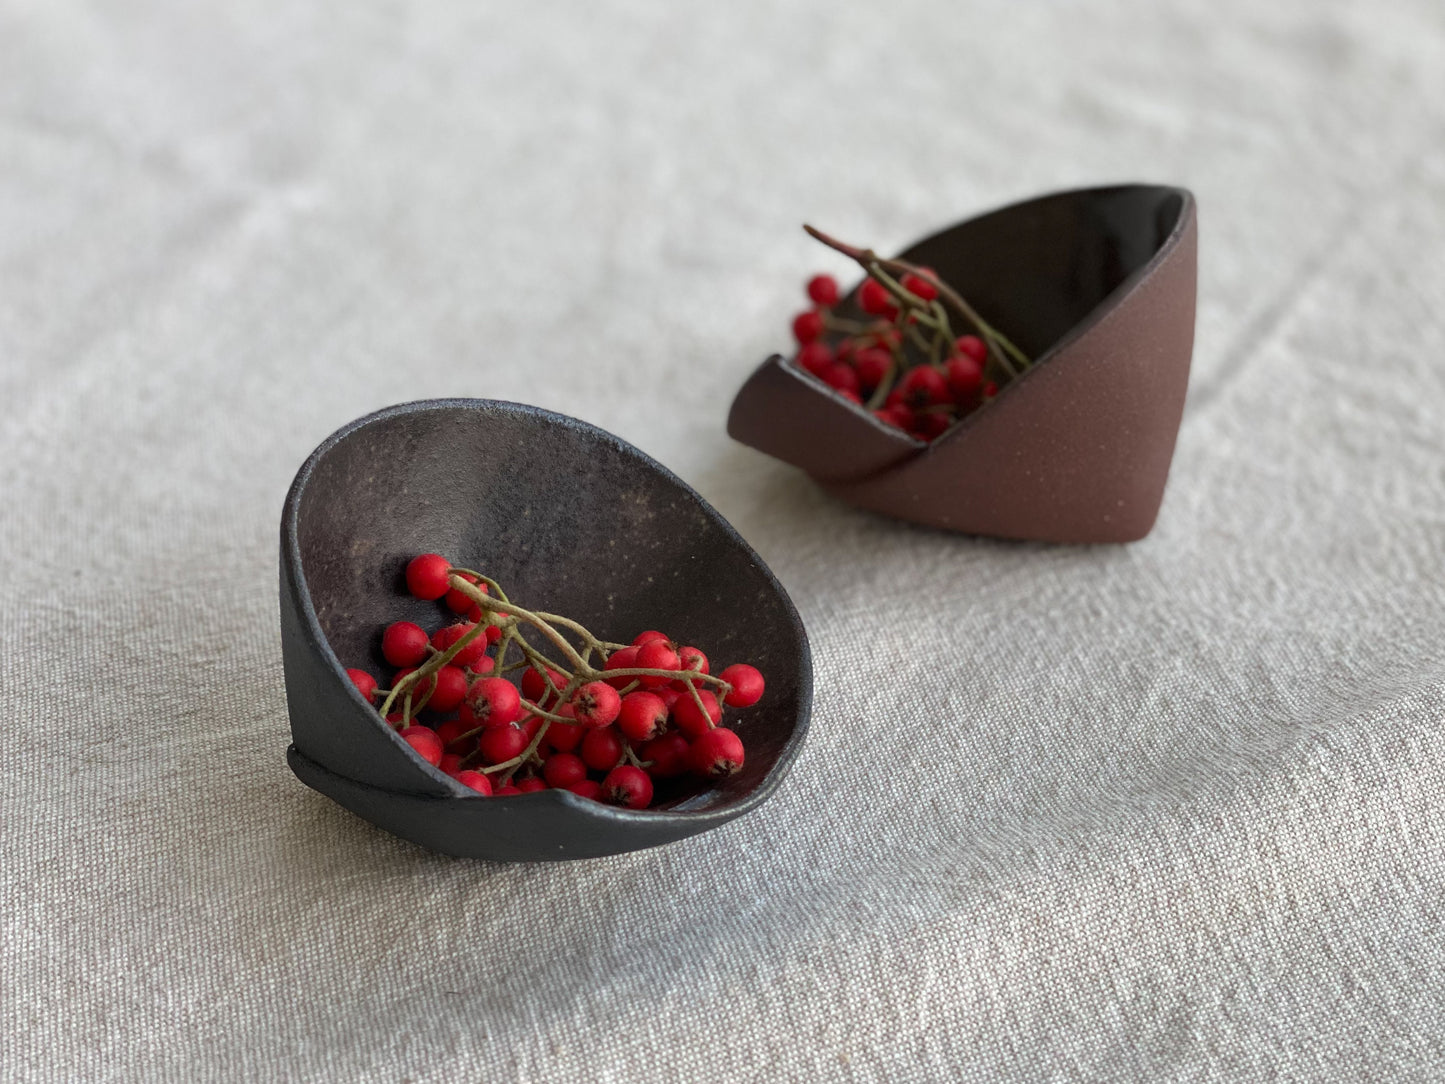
1163	812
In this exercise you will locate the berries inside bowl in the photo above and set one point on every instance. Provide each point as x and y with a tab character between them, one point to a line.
509	700
567	524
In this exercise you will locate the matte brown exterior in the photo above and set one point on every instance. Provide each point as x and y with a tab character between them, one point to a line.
1099	286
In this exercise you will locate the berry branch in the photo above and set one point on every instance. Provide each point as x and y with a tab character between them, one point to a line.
644	712
906	365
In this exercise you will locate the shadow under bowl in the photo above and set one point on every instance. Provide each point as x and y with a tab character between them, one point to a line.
569	519
1098	287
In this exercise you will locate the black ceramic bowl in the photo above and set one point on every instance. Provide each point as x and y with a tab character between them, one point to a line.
569	519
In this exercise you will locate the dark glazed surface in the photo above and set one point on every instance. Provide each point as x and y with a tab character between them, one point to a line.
1099	286
569	519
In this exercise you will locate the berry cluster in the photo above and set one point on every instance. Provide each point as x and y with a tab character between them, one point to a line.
607	721
902	360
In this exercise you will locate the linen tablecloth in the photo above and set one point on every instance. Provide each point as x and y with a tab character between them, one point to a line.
1169	811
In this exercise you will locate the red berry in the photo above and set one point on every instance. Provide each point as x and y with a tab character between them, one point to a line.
451	763
627	786
643	637
588	788
506	791
669	755
425	741
404	643
815	358
530	784
932	425
450	688
501	743
747	683
693	659
874	299
851	396
564	737
426	576
898	417
872	366
923	387
842	377
419	691
807	326
965	377
621	660
971	346
823	290
595	704
643	716
920	287
476	780
668	694
459	603
452	730
657	655
364	682
447	636
601	749
564	770
693	720
492	702
535	685
990	390
717	754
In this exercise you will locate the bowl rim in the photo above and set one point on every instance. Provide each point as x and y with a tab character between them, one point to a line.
315	638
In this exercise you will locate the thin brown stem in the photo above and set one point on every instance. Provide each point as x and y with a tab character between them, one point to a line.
880	393
672	675
697	699
491	583
492	605
998	344
543	713
525	755
431	666
846	326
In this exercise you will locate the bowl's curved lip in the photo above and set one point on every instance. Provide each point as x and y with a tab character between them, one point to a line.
1101	312
316	639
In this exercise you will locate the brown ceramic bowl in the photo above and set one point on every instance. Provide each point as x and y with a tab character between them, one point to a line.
1098	285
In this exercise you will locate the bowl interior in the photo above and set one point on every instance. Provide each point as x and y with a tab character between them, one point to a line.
1036	270
569	520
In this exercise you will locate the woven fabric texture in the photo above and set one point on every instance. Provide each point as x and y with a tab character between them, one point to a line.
1169	811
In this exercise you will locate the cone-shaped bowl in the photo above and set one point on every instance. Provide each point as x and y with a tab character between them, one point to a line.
1098	286
569	519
